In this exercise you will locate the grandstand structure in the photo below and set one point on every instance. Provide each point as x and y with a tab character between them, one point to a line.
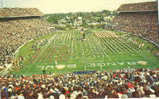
19	13
140	19
43	64
18	26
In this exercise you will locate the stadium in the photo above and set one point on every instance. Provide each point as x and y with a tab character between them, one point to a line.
69	56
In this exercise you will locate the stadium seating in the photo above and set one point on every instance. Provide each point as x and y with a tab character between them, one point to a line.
14	33
144	6
125	83
139	18
7	12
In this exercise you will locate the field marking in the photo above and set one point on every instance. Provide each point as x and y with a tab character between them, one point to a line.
52	54
48	54
96	48
34	57
121	45
43	56
50	41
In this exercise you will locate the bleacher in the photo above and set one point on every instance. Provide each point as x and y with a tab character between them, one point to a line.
18	26
140	19
19	12
122	84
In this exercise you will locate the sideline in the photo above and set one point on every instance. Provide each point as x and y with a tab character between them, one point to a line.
4	72
146	39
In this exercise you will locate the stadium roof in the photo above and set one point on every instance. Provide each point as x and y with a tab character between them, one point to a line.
138	7
19	12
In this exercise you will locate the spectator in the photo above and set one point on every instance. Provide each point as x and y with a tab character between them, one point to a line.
87	85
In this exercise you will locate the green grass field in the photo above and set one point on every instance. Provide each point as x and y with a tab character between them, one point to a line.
102	50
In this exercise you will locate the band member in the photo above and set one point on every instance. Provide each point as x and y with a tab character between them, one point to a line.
83	34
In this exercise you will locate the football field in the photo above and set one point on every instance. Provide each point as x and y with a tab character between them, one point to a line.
66	51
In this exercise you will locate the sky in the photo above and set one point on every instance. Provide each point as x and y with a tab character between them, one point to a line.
65	6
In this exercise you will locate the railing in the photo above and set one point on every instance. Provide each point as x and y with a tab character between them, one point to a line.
4	18
137	11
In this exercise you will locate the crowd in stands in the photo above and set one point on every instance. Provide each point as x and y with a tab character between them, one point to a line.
144	6
14	33
7	12
143	24
125	83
